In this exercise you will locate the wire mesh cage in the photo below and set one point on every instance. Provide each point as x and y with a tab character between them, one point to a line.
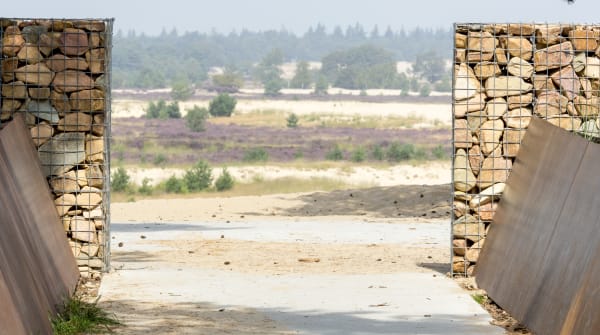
57	73
505	74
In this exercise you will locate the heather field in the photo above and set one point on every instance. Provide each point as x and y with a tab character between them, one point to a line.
144	142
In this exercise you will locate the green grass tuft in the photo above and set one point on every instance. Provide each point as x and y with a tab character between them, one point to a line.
79	317
479	298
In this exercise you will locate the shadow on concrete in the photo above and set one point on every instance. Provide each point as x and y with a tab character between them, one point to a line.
164	226
442	268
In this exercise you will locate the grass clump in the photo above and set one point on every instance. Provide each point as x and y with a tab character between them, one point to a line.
335	154
256	155
79	317
479	298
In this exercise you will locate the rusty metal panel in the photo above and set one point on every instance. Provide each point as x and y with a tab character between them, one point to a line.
37	266
546	232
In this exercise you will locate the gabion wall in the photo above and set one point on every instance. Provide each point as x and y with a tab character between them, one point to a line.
505	74
57	73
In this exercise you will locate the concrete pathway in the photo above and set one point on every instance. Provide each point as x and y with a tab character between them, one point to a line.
148	292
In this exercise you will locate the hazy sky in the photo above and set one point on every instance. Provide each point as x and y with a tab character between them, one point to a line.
226	15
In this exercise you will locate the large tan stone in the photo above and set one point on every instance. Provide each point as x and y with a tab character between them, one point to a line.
496	108
486	212
9	65
59	63
472	255
88	198
487	195
548	34
516	101
460	40
558	55
94	149
550	103
39	93
500	56
96	59
78	122
512	141
592	67
476	119
41	133
568	81
487	69
95	176
477	57
87	100
490	135
586	87
462	134
506	86
459	208
71	81
460	265
566	122
64	184
476	103
521	29
64	202
579	61
35	74
466	84
90	25
468	227
98	125
83	230
587	108
542	83
518	47
459	246
73	42
62	152
481	42
30	54
14	90
464	179
519	67
584	39
12	41
475	159
60	102
10	105
494	170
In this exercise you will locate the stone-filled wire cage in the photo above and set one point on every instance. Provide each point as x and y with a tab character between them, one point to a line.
56	72
505	74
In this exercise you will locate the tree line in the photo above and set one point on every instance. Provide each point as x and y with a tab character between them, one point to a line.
141	61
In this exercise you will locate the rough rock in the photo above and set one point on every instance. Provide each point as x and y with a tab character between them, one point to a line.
486	212
566	122
472	255
9	65
516	101
42	109
78	122
490	135
35	74
459	246
94	149
568	80
460	40
59	63
462	134
14	90
90	25
512	141
459	265
88	198
521	29
496	108
558	55
542	83
39	93
98	125
487	69
87	100
64	202
70	81
464	179
500	56
64	184
95	59
579	61
41	133
475	159
468	227
30	54
518	47
587	108
551	103
592	67
584	39
90	249
95	176
459	208
83	230
546	35
481	42
519	67
9	106
12	41
62	152
494	170
487	195
466	84
476	103
60	101
506	86
73	42
586	87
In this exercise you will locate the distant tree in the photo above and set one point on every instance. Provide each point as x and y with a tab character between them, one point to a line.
228	81
425	90
362	67
199	177
321	85
429	66
120	180
182	90
153	109
302	77
162	110
222	105
195	119
270	73
171	111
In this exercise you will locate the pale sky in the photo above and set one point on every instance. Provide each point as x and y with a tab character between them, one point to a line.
224	16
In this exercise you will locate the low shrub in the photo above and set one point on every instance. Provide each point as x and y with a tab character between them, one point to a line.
175	185
256	155
335	154
358	155
199	177
225	181
120	180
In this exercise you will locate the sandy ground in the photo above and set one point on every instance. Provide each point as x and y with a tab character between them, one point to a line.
361	261
360	176
432	112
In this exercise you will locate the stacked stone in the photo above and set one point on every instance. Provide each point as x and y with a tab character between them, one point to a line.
505	74
55	73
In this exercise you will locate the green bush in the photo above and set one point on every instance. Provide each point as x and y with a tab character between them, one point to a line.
120	180
335	154
146	188
222	105
400	152
377	153
292	121
425	90
199	177
175	185
195	119
182	90
162	110
358	155
225	181
438	152
160	159
256	155
153	109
